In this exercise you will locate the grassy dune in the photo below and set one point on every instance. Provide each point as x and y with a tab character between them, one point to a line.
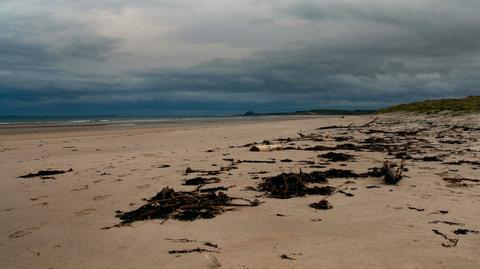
469	104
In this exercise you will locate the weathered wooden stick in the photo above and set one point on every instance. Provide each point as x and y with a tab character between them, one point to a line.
266	147
335	127
370	122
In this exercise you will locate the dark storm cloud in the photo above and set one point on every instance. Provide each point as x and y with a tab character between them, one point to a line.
302	54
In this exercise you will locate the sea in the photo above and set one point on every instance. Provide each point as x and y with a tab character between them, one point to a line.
7	121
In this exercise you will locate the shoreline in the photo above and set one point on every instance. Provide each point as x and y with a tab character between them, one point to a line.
49	128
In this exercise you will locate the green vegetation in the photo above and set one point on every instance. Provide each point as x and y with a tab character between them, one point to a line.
469	104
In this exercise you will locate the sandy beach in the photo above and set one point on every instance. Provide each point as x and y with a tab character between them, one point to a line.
429	219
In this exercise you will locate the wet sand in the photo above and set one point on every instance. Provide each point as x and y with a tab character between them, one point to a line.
56	222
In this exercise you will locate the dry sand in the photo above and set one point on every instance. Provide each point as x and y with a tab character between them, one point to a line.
56	223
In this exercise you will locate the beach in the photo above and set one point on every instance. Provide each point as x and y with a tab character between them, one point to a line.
429	219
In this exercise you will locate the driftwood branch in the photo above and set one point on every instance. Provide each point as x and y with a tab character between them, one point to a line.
348	126
265	148
335	127
392	176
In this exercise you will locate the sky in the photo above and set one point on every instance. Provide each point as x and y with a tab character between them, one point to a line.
221	57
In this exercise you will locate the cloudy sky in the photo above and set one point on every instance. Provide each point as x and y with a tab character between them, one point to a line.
164	57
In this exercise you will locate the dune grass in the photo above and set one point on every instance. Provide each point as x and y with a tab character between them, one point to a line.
469	104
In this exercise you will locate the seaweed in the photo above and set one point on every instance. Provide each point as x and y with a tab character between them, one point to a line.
336	157
201	181
46	173
185	206
287	185
322	204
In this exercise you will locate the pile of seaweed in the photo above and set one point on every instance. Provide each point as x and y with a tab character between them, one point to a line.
184	205
288	185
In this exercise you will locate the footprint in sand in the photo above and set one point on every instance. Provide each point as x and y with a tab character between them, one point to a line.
19	234
38	198
22	233
141	187
100	197
85	187
84	212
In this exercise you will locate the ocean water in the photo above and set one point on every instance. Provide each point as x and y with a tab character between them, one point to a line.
112	120
79	120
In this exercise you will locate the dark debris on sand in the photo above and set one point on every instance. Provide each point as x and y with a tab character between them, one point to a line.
286	257
336	157
46	173
287	185
460	182
201	181
394	138
184	251
186	206
449	242
322	204
462	231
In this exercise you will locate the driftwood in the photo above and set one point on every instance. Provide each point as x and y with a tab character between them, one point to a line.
184	251
222	169
348	126
446	222
266	148
313	137
335	127
392	176
190	170
399	133
450	242
370	122
256	161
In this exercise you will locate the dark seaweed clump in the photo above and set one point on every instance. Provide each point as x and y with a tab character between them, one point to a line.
186	206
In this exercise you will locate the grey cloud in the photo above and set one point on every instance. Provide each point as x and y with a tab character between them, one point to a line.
92	48
302	54
39	40
313	72
429	28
